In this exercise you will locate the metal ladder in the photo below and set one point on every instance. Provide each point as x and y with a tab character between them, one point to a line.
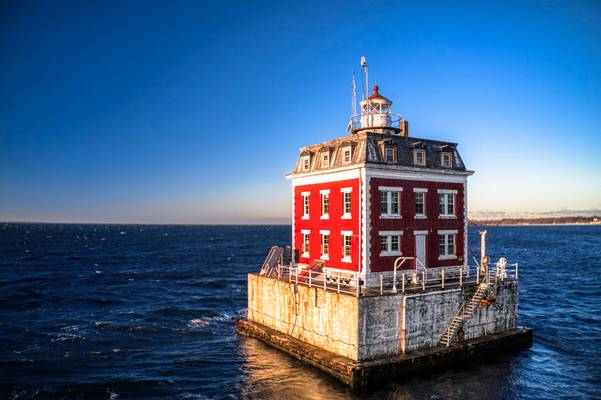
273	259
466	310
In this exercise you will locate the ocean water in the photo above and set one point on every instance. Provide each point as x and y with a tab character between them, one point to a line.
147	312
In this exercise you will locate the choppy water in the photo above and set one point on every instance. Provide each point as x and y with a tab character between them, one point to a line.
94	311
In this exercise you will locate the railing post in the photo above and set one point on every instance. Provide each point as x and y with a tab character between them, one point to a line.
324	280
357	283
403	283
442	279
516	271
289	274
460	277
338	279
381	284
424	280
297	275
478	276
394	280
310	273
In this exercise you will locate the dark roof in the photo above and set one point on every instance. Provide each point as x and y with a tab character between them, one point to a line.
368	147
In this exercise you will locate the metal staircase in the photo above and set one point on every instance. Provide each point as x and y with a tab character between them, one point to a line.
466	311
273	259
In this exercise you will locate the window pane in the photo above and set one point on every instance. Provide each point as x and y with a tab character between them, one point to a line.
347	203
419	203
450	203
383	202
442	208
394	243
394	202
383	243
442	242
451	244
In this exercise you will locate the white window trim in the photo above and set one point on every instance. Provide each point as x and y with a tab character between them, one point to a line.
391	188
304	196
345	215
450	159
303	159
322	193
423	191
386	149
322	234
389	202
305	232
452	232
423	152
326	164
388	234
343	234
423	232
448	216
344	150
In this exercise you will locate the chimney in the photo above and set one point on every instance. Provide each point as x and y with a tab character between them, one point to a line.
404	127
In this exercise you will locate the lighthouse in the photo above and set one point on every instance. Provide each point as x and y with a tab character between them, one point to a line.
365	199
377	282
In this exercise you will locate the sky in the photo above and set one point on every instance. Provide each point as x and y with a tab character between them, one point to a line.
193	112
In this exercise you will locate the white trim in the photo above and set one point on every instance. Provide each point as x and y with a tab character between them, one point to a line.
325	176
305	255
447	217
390	188
448	191
306	231
421	216
449	257
346	216
420	190
343	150
418	174
324	232
465	248
305	194
391	216
305	217
325	256
325	216
346	233
390	233
364	222
447	231
346	190
346	260
324	191
420	232
423	153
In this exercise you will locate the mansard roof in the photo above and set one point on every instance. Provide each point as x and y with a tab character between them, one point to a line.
368	149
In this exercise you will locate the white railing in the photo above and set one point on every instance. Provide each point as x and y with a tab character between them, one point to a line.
389	282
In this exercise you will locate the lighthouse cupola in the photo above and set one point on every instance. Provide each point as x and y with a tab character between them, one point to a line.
376	111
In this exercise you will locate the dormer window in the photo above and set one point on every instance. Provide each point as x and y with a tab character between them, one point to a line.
446	160
389	154
346	155
419	157
306	163
325	160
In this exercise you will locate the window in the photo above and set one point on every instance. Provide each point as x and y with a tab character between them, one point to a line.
346	155
306	163
305	205
390	205
325	245
447	244
390	243
346	203
305	243
446	204
325	160
325	204
419	157
346	245
446	160
389	154
419	204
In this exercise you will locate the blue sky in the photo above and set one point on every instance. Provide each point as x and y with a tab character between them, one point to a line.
192	112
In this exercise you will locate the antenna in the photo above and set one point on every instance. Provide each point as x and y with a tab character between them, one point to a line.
354	111
366	70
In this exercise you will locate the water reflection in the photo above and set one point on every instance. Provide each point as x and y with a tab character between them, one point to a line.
270	374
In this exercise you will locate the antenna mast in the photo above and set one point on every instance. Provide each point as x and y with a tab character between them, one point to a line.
366	70
354	111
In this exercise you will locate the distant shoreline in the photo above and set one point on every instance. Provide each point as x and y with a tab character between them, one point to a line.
563	221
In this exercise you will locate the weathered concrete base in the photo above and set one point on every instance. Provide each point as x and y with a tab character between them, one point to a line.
360	375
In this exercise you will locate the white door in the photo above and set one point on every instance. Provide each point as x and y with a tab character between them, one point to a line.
420	251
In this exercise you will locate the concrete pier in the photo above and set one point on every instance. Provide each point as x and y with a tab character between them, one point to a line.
368	338
366	374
